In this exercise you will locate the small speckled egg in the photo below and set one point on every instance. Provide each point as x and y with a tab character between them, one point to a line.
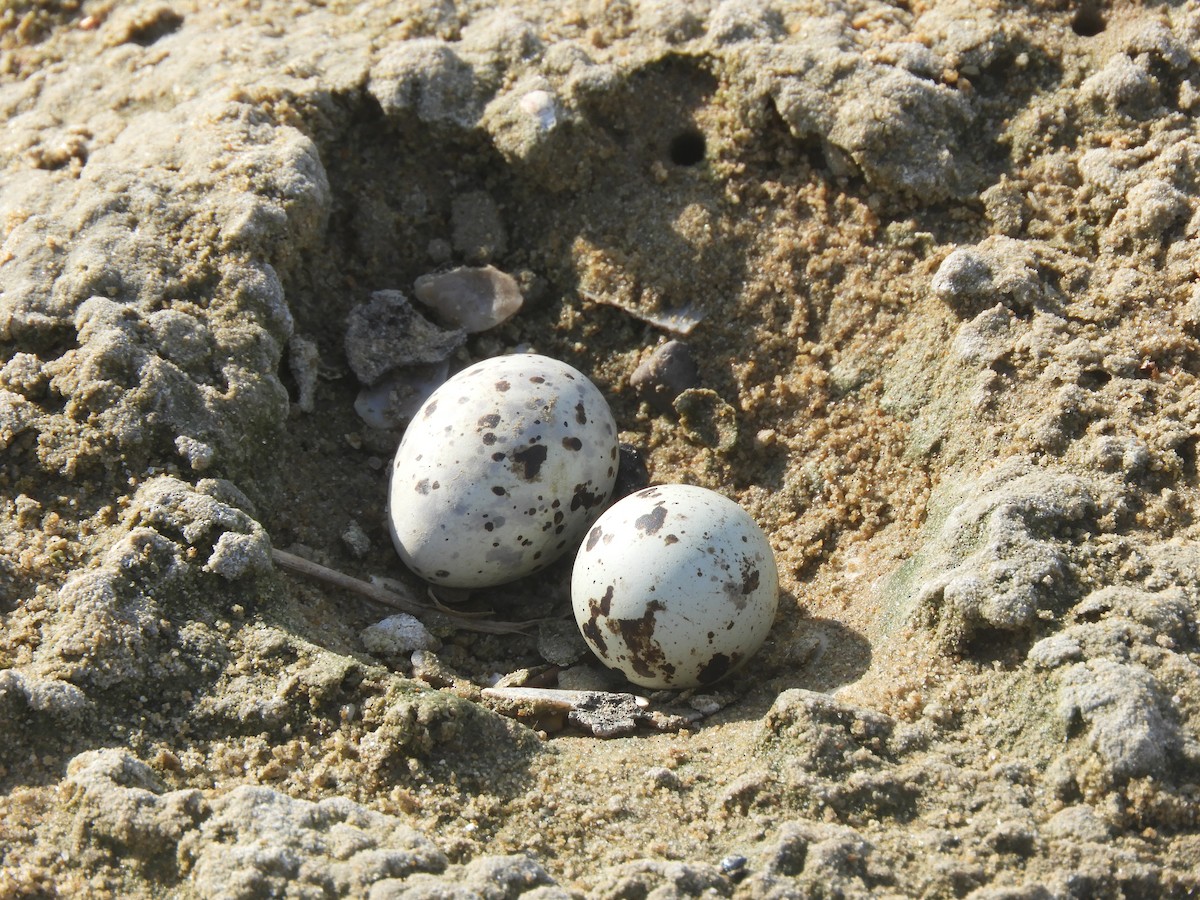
675	586
501	471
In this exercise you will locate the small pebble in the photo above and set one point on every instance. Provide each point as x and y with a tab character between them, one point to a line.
668	372
663	777
734	867
356	539
471	299
707	704
398	635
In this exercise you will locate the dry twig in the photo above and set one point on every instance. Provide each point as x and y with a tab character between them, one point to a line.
404	602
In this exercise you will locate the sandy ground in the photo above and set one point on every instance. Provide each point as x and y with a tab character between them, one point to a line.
942	264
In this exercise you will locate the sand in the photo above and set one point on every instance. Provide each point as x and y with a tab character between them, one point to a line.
937	265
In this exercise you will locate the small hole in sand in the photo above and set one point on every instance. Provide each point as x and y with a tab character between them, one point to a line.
687	148
1088	21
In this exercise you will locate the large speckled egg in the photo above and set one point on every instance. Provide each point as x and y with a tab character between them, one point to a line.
501	471
675	586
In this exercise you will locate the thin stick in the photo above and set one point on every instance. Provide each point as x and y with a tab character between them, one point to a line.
558	698
395	599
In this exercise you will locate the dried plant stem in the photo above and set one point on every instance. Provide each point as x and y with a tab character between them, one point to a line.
395	599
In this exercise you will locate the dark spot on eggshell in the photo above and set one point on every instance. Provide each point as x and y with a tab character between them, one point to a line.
733	593
593	538
537	379
716	668
423	486
498	490
491	420
572	443
580	414
671	539
582	498
750	577
489	438
429	408
442	573
502	385
498	456
606	601
652	521
646	656
527	462
591	631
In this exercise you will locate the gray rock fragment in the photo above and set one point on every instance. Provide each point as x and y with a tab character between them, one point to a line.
22	693
398	635
1121	702
824	735
903	132
484	878
119	802
1124	85
259	842
998	270
386	333
996	561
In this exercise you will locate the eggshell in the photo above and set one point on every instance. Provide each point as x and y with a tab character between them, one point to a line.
501	471
675	586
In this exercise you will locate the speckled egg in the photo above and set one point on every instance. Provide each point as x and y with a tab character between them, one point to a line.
675	587
501	471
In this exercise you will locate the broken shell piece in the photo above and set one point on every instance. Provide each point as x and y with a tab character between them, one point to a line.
471	299
386	333
681	320
602	713
395	400
541	107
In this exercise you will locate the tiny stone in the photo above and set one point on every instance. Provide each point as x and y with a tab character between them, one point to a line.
663	777
356	539
471	299
707	704
398	635
664	375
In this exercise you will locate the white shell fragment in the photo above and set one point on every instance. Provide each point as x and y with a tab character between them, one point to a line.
675	587
471	299
501	471
541	107
397	397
